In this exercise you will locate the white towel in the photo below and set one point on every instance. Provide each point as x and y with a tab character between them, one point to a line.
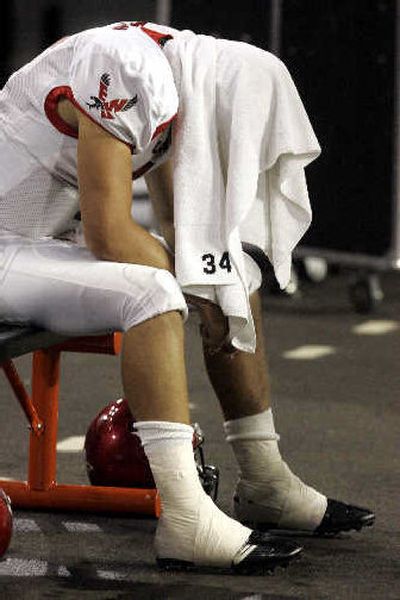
242	141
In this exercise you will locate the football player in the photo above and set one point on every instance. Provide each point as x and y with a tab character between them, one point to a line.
78	124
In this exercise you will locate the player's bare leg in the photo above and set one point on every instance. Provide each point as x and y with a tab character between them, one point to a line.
268	494
153	370
241	380
191	530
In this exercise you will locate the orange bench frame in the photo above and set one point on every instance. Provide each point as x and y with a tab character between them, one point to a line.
41	490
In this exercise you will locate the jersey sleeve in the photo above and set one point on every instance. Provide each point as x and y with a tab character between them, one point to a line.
126	89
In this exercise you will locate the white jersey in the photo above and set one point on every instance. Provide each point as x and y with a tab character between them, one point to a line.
120	78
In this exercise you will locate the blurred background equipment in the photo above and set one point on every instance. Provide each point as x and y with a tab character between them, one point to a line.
344	59
6	522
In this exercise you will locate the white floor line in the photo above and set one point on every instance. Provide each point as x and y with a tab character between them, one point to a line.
20	567
62	571
80	527
376	327
73	443
309	352
25	526
110	575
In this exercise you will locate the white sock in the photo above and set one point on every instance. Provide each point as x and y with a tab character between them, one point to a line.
267	489
191	527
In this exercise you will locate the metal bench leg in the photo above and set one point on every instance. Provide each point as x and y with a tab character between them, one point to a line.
22	396
42	491
43	449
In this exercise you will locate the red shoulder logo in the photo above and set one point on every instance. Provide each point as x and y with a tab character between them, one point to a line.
109	108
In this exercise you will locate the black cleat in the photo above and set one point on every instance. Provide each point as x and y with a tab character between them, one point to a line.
260	555
340	517
268	553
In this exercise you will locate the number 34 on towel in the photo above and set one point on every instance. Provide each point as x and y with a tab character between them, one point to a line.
213	262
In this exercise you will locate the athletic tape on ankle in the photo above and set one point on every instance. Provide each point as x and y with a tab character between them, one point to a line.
191	527
253	436
254	427
163	431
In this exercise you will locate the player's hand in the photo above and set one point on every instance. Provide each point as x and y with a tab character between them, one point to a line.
214	327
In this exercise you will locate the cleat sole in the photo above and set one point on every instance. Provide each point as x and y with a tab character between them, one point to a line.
172	564
261	569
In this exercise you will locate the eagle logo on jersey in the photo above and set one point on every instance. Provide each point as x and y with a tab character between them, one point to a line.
109	108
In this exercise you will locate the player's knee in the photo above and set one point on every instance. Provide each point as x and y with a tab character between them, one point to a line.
166	293
158	293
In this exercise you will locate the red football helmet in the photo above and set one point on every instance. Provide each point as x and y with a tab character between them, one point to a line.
115	456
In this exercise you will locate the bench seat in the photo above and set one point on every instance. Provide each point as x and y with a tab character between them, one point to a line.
17	340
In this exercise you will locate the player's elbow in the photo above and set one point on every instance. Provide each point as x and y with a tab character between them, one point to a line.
102	251
102	245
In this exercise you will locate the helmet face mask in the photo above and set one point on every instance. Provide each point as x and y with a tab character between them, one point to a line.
208	474
115	456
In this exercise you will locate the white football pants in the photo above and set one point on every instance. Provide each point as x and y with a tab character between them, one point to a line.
64	288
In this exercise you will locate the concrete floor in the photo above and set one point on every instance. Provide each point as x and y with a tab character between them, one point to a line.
338	416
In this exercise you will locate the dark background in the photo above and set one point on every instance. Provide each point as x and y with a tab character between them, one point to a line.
341	55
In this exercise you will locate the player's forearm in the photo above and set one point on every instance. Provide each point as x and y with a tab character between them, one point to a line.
168	233
160	186
130	243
